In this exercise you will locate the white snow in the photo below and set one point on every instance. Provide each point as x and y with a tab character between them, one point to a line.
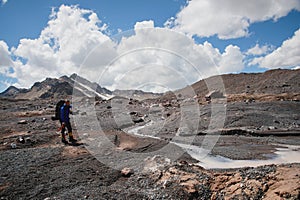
103	96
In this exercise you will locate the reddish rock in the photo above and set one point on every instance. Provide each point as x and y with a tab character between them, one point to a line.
127	172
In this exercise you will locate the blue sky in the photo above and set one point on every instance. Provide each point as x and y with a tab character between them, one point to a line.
239	36
28	18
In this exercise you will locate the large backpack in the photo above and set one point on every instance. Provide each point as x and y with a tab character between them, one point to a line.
57	110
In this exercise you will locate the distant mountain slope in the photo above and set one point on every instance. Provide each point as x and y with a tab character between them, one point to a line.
87	88
273	82
59	88
136	94
12	91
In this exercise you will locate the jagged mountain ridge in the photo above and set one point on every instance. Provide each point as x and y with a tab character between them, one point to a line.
59	88
84	87
277	81
11	91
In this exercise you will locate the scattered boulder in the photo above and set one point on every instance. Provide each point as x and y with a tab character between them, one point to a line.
28	140
127	172
97	103
214	95
133	113
154	105
139	120
83	113
272	128
186	131
21	139
13	145
156	163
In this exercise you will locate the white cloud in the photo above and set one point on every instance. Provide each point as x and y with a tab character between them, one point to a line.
63	44
6	64
231	60
287	55
230	18
259	50
5	59
3	2
144	24
148	58
167	59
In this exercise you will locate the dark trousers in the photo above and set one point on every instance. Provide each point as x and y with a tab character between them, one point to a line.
66	125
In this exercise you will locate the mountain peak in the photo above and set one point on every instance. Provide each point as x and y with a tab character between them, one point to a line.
11	91
59	88
73	76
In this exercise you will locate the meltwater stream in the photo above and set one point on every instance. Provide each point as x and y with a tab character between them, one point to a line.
289	154
284	154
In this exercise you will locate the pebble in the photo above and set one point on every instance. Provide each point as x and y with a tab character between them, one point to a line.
22	122
127	172
21	139
13	145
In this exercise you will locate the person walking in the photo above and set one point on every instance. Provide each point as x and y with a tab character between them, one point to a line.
65	112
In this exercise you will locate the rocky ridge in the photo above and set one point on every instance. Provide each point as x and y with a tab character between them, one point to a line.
279	83
59	88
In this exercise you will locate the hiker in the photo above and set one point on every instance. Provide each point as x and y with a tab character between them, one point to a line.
64	119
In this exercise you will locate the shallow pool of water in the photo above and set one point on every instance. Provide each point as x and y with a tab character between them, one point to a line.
283	154
287	154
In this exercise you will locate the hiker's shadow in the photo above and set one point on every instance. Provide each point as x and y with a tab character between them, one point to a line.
76	144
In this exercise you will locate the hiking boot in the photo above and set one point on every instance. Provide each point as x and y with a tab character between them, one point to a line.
71	139
63	140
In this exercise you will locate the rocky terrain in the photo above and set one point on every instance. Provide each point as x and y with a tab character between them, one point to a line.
58	88
168	147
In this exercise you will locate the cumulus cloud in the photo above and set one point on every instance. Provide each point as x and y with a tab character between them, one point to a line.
231	60
144	24
287	55
6	64
71	33
259	50
5	59
148	57
230	18
167	59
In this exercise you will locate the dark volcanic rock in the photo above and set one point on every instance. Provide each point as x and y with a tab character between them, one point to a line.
12	91
57	88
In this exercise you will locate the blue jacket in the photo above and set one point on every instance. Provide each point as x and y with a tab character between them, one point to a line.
65	113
